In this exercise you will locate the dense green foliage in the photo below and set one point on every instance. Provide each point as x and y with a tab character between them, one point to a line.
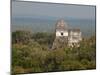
32	53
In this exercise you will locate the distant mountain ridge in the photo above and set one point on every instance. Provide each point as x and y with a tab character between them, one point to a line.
47	24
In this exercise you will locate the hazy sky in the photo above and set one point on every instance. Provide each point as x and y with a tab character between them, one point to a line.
32	9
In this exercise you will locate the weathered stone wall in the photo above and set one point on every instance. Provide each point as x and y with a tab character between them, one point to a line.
60	42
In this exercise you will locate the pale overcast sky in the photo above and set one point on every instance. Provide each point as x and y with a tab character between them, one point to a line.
54	10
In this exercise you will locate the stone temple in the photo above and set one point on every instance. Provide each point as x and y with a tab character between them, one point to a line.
66	37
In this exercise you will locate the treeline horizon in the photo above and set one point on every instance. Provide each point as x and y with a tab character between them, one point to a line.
84	36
